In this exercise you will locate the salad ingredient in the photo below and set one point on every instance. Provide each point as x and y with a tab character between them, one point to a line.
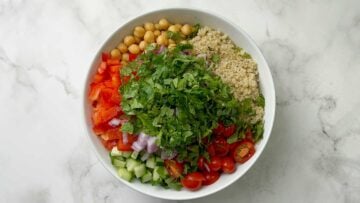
228	165
163	24
215	163
139	31
175	98
122	48
149	26
186	29
134	49
243	151
115	54
221	146
174	168
128	145
210	177
149	37
129	40
193	181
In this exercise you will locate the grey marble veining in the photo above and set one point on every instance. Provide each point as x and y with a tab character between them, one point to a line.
312	47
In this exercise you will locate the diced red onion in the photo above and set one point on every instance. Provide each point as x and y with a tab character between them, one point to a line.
136	146
125	138
145	156
151	145
207	167
161	49
114	122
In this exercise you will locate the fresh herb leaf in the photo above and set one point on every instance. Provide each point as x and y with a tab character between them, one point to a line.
127	128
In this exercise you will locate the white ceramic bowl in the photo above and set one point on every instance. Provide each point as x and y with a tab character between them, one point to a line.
243	40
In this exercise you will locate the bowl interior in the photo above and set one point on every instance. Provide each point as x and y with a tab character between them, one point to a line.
241	39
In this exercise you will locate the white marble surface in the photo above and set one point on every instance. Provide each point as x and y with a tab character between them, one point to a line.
312	46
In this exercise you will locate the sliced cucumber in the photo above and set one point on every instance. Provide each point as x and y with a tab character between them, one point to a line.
147	177
125	174
150	163
159	161
134	155
140	170
156	175
119	163
115	152
131	164
162	172
126	154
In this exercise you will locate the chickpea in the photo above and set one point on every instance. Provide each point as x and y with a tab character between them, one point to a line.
171	46
162	40
164	24
134	49
157	33
149	37
129	40
149	26
143	45
183	42
178	26
137	39
125	57
115	54
139	31
157	26
186	29
171	41
173	28
122	47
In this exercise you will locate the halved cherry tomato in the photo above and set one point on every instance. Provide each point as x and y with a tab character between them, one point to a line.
228	165
215	163
229	130
201	163
211	149
221	146
193	181
249	136
210	177
243	151
174	168
219	130
126	146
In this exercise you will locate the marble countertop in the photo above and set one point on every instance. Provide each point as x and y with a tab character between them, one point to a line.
313	49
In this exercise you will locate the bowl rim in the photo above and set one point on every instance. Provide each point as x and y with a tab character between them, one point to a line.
154	11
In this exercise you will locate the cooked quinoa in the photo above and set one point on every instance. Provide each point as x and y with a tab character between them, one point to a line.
235	67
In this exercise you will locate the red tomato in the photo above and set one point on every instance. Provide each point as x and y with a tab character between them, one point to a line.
210	177
200	163
174	168
211	150
110	96
228	165
193	181
115	69
219	130
221	146
132	57
248	135
215	163
105	56
229	130
126	146
243	151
